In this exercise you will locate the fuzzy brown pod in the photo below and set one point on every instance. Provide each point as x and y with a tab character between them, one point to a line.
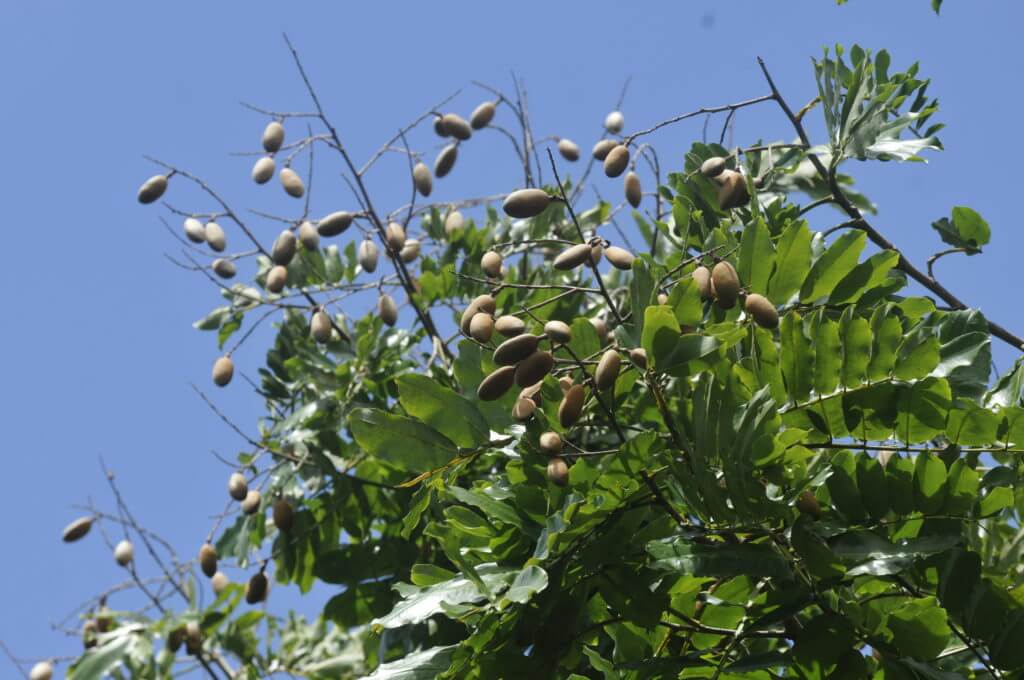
726	284
638	355
526	203
387	310
225	269
702	277
533	368
514	350
394	236
524	409
481	327
215	236
410	251
263	170
495	385
457	126
256	588
572	257
569	150
616	161
482	115
712	167
558	331
77	529
607	369
273	137
320	327
251	504
558	472
368	254
762	311
634	192
223	371
238	487
439	129
335	223
284	515
445	160
41	671
292	183
566	383
194	230
732	190
219	581
602	148
509	326
571	407
596	251
277	277
453	221
124	553
614	122
309	237
422	178
807	504
491	264
619	257
550	443
481	303
208	559
152	189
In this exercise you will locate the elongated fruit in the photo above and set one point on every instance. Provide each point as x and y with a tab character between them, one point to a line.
216	237
569	150
453	221
263	170
445	160
726	284
712	167
808	505
509	326
309	237
551	443
526	203
277	277
439	127
572	257
335	223
481	327
410	251
457	126
320	327
422	178
638	356
273	136
387	309
292	183
193	637
495	385
194	230
619	257
558	331
284	515
223	371
152	189
524	409
481	303
702	277
394	235
41	671
571	406
368	254
533	368
482	115
616	161
514	350
558	472
607	369
124	553
633	190
614	122
491	264
219	581
208	559
601	149
225	269
732	190
77	529
238	487
251	504
762	311
256	588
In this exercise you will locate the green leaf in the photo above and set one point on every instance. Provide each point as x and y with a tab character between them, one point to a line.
922	410
962	484
401	442
101	659
835	263
660	334
856	333
823	640
423	665
871	484
929	483
957	578
449	413
494	509
966	229
1008	648
827	356
999	498
842	485
793	262
528	582
682	555
866	276
918	354
797	354
419	604
919	628
757	256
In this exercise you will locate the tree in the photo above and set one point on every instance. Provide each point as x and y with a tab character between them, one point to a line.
745	449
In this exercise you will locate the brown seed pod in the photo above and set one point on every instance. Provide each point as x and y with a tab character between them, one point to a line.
124	553
309	236
495	385
702	277
558	472
482	115
524	409
194	230
616	161
445	160
633	190
387	310
712	167
602	148
596	251
607	369
208	559
551	443
422	178
273	137
152	189
238	487
614	122
215	237
619	257
77	529
514	350
808	505
491	264
601	327
193	637
292	183
726	284
225	269
394	235
509	326
569	150
320	327
533	368
732	190
284	515
256	588
89	631
219	581
571	407
175	638
41	671
335	223
457	126
277	277
410	251
638	355
481	303
566	383
573	256
526	203
251	504
263	170
439	129
368	255
223	371
453	221
481	327
762	311
558	331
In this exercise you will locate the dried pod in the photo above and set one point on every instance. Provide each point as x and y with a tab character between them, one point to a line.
638	356
526	203
514	350
277	277
335	223
309	236
558	472
394	235
614	122
601	327
482	115
495	385
238	487
491	264
607	369
320	327
152	189
223	371
732	190
633	190
193	637
41	671
273	136
453	221
225	269
533	368
410	251
571	407
566	383
368	255
619	257
726	284
77	529
215	237
702	277
457	126
422	178
439	129
445	160
251	504
387	310
509	326
524	409
762	311
194	230
219	581
208	559
569	150
616	161
481	327
713	167
284	515
558	331
292	183
573	256
481	303
808	505
551	443
263	170
602	148
124	553
256	588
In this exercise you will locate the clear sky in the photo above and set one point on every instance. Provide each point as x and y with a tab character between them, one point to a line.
98	349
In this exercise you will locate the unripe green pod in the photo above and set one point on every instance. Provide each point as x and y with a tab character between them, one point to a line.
368	255
481	327
607	369
445	160
526	203
550	443
225	269
284	515
453	221
284	248
394	235
208	559
439	129
509	326
251	504
726	284
614	122
152	189
573	256
410	251
558	472
335	223
712	167
558	331
569	150
807	504
238	487
263	170
422	178
533	368
277	277
124	553
702	277
514	350
762	311
491	264
482	115
616	161
619	257
387	309
256	588
292	183
495	385
638	356
732	190
223	370
632	188
603	147
216	237
195	231
571	406
77	529
457	126
524	409
41	671
273	136
219	581
309	236
320	327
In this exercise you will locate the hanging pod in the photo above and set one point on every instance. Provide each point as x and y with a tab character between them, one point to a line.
726	284
533	368
292	183
273	137
526	203
368	254
263	170
514	350
495	385
616	161
571	406
152	189
569	150
573	256
422	178
482	115
446	160
335	223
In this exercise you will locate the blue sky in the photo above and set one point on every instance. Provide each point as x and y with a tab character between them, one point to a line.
99	352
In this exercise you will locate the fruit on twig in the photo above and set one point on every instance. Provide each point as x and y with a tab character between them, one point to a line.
571	406
219	582
524	409
607	369
410	251
495	385
572	257
124	553
601	327
481	303
482	115
422	178
569	150
263	170
712	167
194	230
601	149
616	161
387	309
481	327
526	203
702	277
514	350
256	588
732	190
292	183
320	327
614	122
726	284
309	236
208	559
284	515
223	371
251	504
368	254
77	529
453	221
335	223
558	331
193	637
394	236
509	326
41	671
273	137
638	355
152	189
491	264
551	443
216	237
439	129
762	311
457	126
558	472
225	269
633	190
808	505
445	160
238	487
533	368
619	257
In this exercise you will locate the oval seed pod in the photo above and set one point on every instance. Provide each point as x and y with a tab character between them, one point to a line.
284	515
526	203
439	129
569	150
395	236
524	409
533	368
225	269
251	504
550	443
309	236
596	251
607	369
616	161
152	189
320	327
193	637
422	178
702	277
558	472
219	581
208	559
495	385
445	160
335	223
77	529
601	327
263	170
124	553
662	299
238	487
387	309
41	671
619	257
571	406
216	237
223	371
614	122
481	327
572	257
368	255
410	251
762	311
558	331
712	167
491	264
481	303
194	230
514	350
457	126
482	116
807	504
603	147
633	190
566	383
89	631
732	190
453	221
256	588
273	136
277	277
509	326
726	284
292	183
638	355
532	392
